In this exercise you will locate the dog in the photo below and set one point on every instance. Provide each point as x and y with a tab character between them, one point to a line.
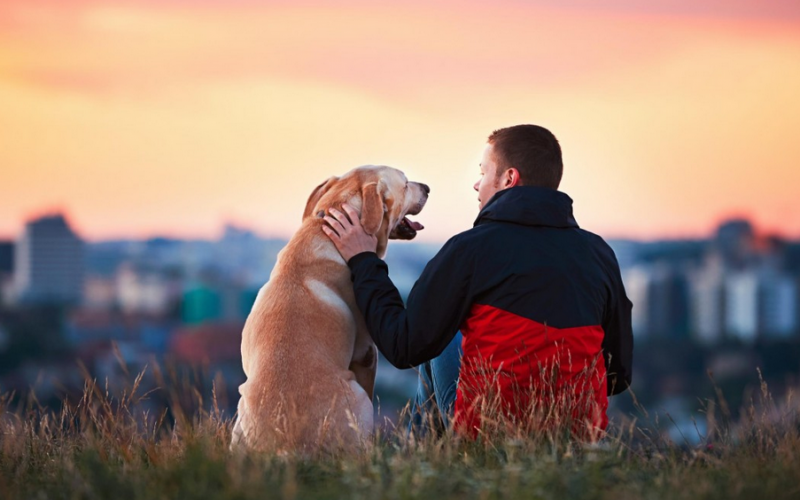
308	357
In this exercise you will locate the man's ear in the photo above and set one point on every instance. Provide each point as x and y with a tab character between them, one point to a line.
510	177
371	208
318	192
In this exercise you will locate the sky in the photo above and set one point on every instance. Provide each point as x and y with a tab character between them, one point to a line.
173	117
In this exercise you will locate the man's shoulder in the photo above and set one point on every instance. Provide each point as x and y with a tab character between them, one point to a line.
463	244
472	236
599	245
593	238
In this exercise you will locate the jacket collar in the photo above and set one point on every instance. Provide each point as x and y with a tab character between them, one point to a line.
529	206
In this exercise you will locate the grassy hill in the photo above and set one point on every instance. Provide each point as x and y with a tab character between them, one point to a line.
104	446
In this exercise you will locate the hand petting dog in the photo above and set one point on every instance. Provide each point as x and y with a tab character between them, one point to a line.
347	233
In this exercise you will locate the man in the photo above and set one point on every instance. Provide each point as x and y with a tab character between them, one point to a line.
540	303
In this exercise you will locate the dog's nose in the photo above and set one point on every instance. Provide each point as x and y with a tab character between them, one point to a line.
425	188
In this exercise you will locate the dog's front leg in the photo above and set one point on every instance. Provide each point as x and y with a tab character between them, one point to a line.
364	366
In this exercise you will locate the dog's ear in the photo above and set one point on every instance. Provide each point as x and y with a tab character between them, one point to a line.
371	207
316	195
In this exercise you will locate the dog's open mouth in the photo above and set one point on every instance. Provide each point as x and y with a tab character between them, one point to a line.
411	225
406	229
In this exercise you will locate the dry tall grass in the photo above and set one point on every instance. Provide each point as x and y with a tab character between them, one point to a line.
104	445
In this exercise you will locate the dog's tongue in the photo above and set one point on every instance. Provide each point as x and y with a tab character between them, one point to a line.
416	226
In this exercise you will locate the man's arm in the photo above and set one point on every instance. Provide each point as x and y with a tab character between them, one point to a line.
437	304
618	339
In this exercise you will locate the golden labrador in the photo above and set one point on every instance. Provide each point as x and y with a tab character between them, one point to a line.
308	357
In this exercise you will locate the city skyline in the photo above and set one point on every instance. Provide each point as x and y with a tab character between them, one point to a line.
734	284
143	118
221	225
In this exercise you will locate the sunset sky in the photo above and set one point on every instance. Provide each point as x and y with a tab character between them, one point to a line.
170	117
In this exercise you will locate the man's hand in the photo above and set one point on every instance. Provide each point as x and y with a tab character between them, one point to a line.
347	233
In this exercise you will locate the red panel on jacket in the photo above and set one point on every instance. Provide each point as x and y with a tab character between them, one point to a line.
536	374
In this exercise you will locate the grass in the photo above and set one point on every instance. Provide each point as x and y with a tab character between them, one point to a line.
104	445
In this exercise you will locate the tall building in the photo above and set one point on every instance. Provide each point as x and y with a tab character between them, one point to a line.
6	273
778	302
49	262
707	310
660	300
6	257
735	241
761	304
637	280
742	311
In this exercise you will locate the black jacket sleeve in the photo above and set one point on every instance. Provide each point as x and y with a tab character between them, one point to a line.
618	340
437	305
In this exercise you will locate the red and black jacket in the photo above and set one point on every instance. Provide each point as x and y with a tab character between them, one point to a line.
532	294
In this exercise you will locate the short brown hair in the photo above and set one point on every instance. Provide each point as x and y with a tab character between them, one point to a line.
533	150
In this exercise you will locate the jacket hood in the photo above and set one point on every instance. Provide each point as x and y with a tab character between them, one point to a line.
529	206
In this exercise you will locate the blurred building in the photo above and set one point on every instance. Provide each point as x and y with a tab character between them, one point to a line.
735	242
90	329
244	258
627	252
6	257
741	299
707	302
212	302
147	291
659	294
746	289
99	292
778	305
49	262
201	304
637	285
6	271
762	304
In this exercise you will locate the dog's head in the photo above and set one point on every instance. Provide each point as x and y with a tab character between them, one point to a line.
383	197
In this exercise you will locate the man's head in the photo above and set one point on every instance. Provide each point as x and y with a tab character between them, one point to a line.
522	155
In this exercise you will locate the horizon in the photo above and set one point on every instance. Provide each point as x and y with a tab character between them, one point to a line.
218	233
141	118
